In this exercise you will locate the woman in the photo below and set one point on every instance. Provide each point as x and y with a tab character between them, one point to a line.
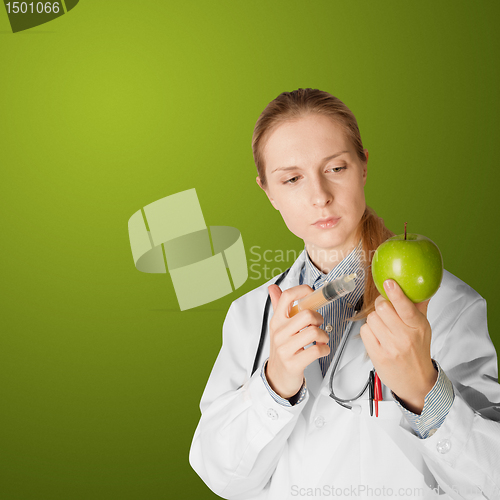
276	433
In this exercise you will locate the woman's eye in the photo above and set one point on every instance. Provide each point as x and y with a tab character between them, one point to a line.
338	169
293	180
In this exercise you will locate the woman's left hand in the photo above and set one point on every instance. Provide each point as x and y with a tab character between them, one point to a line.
397	337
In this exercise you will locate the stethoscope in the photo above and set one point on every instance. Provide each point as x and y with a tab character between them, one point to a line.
336	360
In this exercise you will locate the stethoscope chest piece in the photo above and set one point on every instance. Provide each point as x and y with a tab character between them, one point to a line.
356	409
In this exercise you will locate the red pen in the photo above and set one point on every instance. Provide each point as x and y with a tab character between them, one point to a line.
377	396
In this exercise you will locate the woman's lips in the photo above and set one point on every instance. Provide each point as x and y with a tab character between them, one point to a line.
327	223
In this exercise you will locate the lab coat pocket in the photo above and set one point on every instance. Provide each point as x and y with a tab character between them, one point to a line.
392	444
388	410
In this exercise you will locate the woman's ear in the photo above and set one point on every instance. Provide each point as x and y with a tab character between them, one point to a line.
265	191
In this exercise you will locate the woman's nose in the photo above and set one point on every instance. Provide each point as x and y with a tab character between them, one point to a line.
320	194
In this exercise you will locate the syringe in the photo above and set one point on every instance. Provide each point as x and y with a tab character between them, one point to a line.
327	293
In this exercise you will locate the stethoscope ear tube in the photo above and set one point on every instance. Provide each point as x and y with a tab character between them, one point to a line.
263	329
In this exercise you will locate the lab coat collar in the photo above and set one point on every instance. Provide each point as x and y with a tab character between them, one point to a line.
292	278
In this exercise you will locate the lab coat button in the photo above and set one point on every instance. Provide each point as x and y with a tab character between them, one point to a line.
443	446
272	414
319	422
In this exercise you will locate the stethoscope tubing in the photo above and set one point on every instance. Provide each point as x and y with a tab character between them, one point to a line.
263	329
336	360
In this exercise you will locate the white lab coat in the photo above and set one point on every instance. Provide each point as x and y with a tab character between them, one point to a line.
248	446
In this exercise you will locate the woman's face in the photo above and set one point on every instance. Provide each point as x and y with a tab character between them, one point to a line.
313	173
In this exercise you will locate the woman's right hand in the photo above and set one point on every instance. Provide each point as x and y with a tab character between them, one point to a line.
288	336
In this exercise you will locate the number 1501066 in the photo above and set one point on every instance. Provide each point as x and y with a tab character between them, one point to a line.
33	7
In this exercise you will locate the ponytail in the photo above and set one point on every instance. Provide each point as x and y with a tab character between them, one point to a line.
373	233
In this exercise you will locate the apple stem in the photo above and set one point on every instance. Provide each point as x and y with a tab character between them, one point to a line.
405	229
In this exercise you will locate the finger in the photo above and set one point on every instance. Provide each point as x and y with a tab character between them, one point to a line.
306	356
291	327
404	307
275	294
378	300
306	337
423	306
379	329
289	296
388	314
372	345
280	318
305	318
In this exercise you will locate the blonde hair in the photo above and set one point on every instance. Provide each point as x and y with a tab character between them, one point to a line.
297	104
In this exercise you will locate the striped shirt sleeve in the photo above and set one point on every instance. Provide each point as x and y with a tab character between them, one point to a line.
294	400
437	404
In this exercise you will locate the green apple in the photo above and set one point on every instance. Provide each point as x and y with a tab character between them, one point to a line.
413	261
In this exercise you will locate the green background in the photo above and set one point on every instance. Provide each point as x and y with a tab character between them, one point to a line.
118	104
